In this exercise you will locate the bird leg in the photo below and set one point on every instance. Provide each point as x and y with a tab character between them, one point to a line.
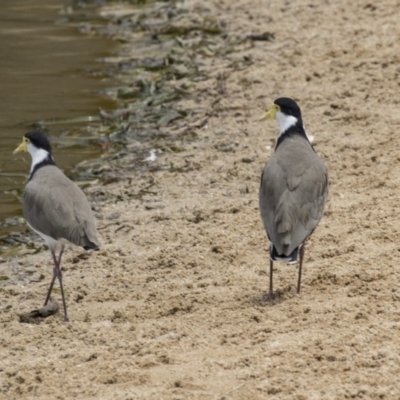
51	285
56	264
270	295
57	274
301	251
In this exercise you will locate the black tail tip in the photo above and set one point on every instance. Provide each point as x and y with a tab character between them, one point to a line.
94	247
290	259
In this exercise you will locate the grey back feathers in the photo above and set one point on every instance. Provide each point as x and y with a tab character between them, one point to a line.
293	190
56	207
293	193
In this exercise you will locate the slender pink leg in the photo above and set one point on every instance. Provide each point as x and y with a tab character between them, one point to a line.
270	295
301	250
57	274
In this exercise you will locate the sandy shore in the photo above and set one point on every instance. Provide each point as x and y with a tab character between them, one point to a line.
172	306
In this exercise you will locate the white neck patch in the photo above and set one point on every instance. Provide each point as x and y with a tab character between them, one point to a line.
38	155
285	121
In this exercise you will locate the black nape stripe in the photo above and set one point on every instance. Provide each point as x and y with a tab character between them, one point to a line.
297	129
47	161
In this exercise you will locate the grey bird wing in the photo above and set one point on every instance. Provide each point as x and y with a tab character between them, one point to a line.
55	206
293	193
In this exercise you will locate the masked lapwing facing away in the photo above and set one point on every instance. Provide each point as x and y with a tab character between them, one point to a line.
293	190
54	207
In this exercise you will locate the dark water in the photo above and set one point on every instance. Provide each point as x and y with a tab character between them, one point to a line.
46	73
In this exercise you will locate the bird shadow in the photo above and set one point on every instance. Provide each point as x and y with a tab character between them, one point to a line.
36	316
280	295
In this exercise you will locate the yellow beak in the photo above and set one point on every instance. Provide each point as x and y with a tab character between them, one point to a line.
22	147
270	114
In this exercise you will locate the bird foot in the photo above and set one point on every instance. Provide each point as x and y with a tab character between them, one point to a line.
270	296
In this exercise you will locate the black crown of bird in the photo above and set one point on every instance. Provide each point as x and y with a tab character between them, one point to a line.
293	189
38	139
288	114
55	207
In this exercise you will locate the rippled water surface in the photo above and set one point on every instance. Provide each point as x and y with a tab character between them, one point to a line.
48	72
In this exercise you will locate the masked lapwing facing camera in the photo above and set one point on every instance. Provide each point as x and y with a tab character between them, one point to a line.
293	190
54	207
